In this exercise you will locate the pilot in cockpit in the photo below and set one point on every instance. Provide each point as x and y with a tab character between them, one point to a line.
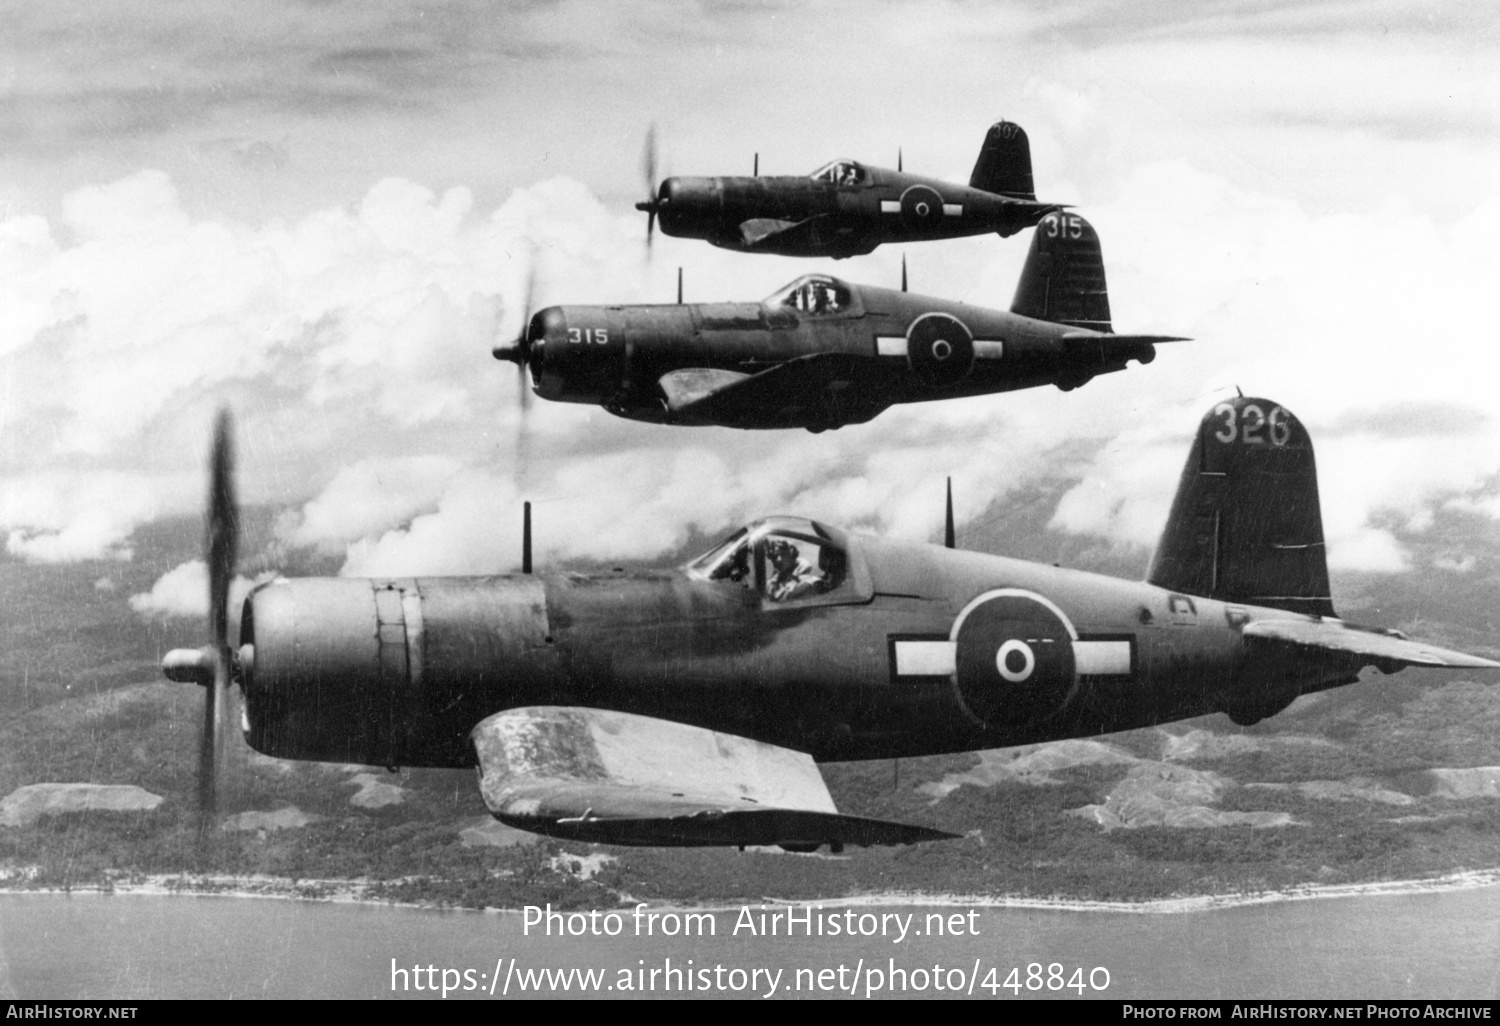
789	576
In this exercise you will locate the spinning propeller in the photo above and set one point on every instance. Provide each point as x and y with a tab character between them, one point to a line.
216	665
656	196
520	352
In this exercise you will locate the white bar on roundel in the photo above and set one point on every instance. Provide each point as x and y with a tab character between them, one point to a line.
953	209
1110	658
925	658
890	345
985	349
890	206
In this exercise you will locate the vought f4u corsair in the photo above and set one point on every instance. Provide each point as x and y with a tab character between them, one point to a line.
846	208
688	706
821	352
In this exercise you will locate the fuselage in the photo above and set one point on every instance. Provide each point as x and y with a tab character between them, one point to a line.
846	209
902	650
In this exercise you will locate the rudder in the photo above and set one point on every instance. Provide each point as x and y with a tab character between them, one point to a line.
1004	164
1063	280
1245	524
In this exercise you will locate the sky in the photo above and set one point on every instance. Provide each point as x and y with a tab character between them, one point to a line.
324	214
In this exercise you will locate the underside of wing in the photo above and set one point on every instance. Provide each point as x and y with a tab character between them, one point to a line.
758	231
818	390
1375	646
685	387
619	778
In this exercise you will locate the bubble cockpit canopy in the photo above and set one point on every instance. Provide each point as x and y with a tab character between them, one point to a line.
784	559
814	294
839	172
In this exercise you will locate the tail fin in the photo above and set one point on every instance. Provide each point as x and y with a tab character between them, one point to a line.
1004	164
1245	525
1063	280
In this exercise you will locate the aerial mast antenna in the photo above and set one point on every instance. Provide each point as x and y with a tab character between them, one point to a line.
526	537
949	538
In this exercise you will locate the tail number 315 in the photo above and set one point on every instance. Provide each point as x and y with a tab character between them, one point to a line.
585	336
1251	425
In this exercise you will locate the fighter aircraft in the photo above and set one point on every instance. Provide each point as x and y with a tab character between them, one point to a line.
821	352
846	208
687	706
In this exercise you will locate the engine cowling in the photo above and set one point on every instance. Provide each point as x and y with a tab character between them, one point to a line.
389	672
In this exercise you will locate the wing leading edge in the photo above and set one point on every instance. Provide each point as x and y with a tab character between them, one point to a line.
619	778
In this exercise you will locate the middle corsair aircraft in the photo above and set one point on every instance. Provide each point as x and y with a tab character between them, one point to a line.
686	706
822	352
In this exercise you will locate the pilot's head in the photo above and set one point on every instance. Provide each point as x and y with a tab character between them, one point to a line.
782	554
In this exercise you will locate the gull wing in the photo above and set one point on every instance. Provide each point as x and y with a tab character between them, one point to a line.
685	387
1375	646
807	388
619	778
757	230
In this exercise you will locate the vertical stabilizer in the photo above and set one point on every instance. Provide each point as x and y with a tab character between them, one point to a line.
1004	164
1063	280
1245	525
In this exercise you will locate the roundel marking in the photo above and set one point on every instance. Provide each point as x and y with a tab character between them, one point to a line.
1013	658
939	350
921	205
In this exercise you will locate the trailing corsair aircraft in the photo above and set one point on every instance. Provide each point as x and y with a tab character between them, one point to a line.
846	208
822	352
689	705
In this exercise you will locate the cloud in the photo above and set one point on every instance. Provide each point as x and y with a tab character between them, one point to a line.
63	517
183	592
353	343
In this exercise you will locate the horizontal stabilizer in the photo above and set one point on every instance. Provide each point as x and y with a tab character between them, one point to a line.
619	778
687	386
1090	336
1375	646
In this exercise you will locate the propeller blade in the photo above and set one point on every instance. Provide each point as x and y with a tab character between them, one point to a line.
648	162
222	542
903	272
649	170
222	551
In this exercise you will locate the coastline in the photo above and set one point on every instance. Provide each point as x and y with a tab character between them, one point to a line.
352	891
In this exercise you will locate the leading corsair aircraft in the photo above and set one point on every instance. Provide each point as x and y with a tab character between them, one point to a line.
846	208
689	705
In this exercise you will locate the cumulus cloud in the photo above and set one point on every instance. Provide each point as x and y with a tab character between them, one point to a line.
62	517
354	344
183	592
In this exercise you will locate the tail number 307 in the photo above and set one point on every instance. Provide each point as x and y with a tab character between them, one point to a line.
1251	425
596	336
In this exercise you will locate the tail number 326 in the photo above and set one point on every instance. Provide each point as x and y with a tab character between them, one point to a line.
1251	425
